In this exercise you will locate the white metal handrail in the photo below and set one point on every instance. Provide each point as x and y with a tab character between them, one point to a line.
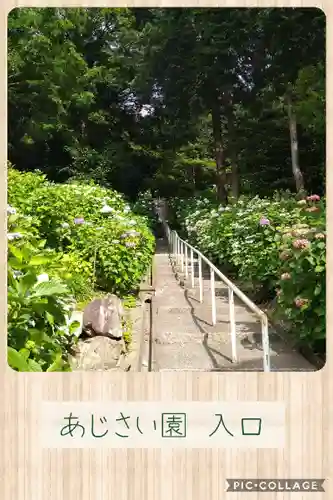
180	250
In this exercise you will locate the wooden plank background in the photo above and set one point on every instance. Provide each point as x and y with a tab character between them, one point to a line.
29	473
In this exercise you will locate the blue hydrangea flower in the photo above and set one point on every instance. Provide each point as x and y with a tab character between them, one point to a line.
14	236
79	220
11	210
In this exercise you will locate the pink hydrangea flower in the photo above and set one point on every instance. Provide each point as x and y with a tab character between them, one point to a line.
299	302
301	244
313	197
300	232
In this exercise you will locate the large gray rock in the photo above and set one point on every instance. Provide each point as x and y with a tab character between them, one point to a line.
101	344
103	316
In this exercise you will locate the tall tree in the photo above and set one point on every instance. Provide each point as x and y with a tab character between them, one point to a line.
138	98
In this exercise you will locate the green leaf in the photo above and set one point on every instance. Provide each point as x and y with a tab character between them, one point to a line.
56	365
17	360
74	326
50	318
15	263
17	253
34	366
39	260
28	281
48	288
25	353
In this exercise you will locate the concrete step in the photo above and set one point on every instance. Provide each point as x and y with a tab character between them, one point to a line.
171	356
185	340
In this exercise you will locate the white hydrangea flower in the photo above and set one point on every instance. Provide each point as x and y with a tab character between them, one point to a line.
42	278
106	209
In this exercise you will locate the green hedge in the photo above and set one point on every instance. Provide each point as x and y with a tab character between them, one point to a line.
276	246
66	242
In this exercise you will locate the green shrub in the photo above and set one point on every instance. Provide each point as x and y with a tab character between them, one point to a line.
302	281
76	272
116	243
66	244
39	335
120	251
248	238
20	187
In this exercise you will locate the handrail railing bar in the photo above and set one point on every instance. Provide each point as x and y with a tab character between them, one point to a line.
235	289
181	245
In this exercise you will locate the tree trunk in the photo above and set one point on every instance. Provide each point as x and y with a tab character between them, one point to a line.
83	130
193	178
233	154
222	195
297	173
234	176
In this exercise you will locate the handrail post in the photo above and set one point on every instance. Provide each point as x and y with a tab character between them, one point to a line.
177	248
232	325
212	289
200	280
186	261
192	268
177	253
265	344
182	247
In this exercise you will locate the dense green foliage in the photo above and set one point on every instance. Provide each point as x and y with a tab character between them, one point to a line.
65	242
219	107
175	100
272	247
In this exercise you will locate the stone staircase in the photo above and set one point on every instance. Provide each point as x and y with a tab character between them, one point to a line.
185	339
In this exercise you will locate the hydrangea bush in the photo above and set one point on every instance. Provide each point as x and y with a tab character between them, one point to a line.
39	331
79	239
276	247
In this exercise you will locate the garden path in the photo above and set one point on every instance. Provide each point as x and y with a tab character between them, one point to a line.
183	335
